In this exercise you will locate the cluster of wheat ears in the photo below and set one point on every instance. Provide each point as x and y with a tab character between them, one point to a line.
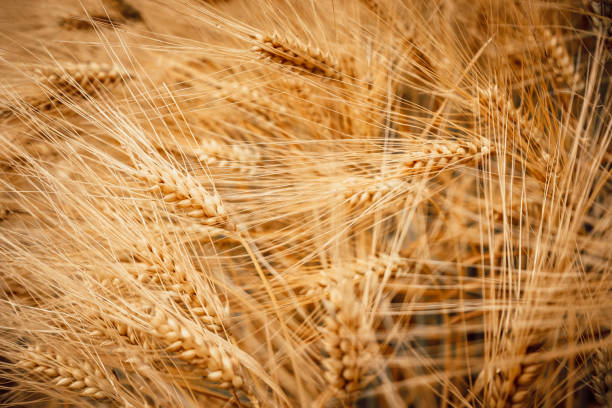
305	203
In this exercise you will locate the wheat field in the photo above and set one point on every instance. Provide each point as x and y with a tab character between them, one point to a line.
306	203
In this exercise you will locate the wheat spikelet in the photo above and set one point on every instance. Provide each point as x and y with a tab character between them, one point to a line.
493	95
530	139
252	100
295	54
378	265
601	379
79	377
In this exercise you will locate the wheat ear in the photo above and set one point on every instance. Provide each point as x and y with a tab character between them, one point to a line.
602	376
80	80
493	95
240	158
440	155
348	341
512	388
560	61
529	137
109	331
297	55
87	24
217	364
71	375
378	264
603	19
357	191
184	192
161	270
